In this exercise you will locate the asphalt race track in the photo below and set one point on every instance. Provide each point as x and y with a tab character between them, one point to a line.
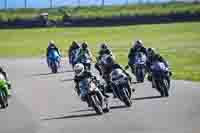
42	102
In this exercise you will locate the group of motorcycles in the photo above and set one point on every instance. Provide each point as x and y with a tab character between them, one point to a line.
158	73
116	82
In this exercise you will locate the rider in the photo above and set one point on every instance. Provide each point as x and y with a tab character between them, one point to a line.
84	53
104	50
51	47
81	76
72	52
154	57
85	50
138	46
109	64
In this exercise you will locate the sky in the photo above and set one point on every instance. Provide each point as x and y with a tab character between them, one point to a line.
56	3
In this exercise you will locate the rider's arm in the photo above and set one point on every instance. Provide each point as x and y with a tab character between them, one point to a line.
130	53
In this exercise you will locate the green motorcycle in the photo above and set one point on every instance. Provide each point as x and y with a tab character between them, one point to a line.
3	93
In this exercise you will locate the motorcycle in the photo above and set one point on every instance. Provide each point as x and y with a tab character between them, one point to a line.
86	61
3	93
140	67
121	86
54	61
94	97
161	78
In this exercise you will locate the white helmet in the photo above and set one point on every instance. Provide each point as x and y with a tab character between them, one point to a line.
51	42
79	69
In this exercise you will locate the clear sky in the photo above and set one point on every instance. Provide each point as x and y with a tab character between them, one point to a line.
45	3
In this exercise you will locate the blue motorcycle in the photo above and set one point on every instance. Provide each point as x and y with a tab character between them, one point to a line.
161	78
54	61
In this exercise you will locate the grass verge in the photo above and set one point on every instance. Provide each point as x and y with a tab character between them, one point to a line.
179	43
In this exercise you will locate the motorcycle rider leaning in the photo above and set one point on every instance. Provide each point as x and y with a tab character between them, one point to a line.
81	76
152	58
109	64
51	46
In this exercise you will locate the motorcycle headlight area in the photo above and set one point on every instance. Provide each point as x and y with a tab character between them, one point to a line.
92	87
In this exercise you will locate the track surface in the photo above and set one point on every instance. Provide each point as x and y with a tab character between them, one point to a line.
46	103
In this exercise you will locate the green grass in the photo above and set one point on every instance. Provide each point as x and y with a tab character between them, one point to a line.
179	43
107	11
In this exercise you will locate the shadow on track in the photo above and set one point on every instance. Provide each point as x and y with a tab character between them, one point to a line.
134	82
146	98
50	73
65	80
80	115
111	107
71	116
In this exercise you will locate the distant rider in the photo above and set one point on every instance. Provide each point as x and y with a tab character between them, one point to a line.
84	54
51	46
138	46
104	50
73	53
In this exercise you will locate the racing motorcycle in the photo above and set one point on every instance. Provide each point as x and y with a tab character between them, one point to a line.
54	61
3	92
121	86
140	66
93	95
86	61
161	78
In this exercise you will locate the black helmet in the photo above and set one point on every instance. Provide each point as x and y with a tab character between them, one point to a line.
84	45
151	51
104	46
75	45
110	60
156	57
138	43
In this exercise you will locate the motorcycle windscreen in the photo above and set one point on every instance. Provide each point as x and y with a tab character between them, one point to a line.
140	58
